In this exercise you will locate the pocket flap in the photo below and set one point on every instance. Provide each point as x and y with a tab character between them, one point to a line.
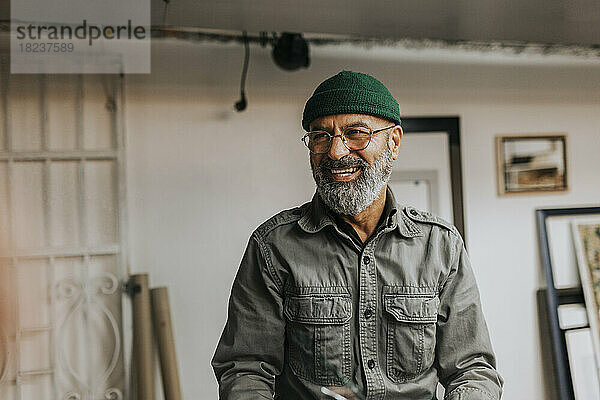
415	309
318	309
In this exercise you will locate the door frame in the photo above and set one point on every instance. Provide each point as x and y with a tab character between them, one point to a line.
451	126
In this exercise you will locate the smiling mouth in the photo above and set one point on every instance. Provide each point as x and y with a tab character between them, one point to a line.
344	172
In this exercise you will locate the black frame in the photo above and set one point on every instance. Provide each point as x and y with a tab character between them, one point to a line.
451	126
553	297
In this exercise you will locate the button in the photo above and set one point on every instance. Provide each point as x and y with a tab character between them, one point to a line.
367	260
371	364
368	313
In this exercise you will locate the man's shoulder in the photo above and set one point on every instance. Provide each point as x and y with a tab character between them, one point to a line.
282	218
427	218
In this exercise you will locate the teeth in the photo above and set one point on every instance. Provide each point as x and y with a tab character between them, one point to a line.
344	171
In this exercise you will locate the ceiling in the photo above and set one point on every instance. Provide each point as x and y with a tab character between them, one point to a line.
570	22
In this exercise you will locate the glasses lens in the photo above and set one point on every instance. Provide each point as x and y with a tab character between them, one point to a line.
318	141
354	139
357	138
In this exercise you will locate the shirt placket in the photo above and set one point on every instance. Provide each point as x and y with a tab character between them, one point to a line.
368	321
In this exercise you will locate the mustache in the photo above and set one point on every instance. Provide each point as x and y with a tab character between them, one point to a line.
344	162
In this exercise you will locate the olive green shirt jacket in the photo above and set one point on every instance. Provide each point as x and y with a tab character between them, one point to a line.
312	307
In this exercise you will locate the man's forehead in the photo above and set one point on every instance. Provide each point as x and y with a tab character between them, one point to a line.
328	121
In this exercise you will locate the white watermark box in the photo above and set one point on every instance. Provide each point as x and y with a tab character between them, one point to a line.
80	36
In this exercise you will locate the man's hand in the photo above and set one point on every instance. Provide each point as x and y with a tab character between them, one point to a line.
339	393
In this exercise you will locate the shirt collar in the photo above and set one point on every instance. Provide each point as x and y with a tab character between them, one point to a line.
316	216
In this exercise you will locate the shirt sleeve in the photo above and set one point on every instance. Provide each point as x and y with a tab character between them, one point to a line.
466	361
250	351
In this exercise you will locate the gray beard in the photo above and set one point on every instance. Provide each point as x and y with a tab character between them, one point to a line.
351	198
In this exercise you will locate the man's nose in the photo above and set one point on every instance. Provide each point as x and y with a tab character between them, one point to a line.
338	148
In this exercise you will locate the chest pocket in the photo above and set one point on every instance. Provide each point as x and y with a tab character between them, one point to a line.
411	324
318	335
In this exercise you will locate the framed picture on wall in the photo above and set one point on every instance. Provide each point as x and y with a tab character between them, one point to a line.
587	247
531	163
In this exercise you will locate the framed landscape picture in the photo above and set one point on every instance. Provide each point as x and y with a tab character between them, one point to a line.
531	163
587	246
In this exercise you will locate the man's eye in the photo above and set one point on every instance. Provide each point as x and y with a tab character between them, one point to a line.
356	132
316	137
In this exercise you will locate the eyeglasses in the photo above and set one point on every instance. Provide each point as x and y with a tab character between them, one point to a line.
354	138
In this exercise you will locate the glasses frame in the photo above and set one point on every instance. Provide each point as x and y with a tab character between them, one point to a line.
305	139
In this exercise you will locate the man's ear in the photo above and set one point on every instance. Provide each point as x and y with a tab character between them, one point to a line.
395	141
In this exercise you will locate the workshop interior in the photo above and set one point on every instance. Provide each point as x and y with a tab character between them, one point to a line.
142	142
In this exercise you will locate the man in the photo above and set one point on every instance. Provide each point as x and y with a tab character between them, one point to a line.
352	295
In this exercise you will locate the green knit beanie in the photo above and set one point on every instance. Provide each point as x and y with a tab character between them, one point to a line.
351	93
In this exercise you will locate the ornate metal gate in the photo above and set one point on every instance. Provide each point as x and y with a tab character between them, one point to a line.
62	242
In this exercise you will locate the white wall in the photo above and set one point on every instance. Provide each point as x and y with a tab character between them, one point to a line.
202	177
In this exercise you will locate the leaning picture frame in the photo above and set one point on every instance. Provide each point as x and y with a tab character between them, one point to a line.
560	288
586	235
531	163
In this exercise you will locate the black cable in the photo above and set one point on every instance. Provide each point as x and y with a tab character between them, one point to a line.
242	103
